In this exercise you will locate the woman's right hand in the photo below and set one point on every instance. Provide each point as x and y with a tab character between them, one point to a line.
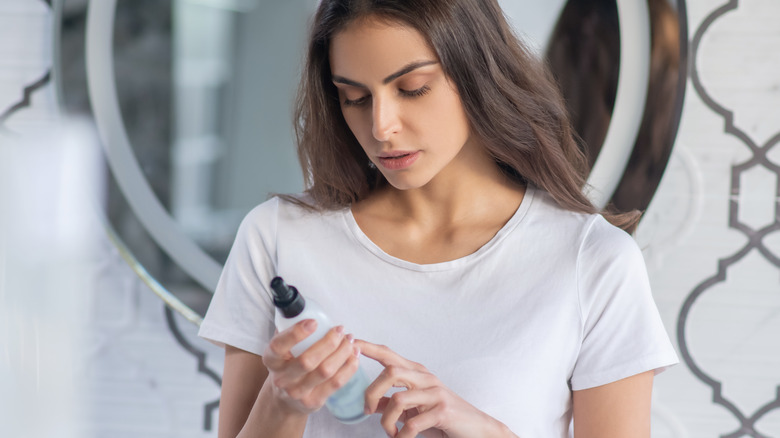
303	383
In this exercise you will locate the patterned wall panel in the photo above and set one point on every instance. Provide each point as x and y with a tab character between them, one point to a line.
717	276
25	64
749	274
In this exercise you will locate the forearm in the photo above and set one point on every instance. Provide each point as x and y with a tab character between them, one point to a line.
269	418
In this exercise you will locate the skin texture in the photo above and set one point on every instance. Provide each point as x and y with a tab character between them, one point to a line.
242	379
395	97
619	409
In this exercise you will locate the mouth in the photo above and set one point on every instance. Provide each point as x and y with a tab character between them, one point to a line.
398	160
395	154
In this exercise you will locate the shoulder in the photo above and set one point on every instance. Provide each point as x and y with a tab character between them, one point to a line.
590	226
260	223
610	264
604	243
287	216
571	228
601	236
283	208
262	213
587	237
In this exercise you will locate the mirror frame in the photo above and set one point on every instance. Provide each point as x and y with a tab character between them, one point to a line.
605	176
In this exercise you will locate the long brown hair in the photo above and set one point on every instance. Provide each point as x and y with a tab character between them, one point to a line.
510	99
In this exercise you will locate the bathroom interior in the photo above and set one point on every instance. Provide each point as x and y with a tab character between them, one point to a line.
136	134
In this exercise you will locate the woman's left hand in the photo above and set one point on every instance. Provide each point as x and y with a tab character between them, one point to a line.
427	407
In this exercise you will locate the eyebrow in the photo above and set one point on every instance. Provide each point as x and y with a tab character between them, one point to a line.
406	69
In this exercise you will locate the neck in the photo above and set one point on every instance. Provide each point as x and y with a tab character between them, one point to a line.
471	188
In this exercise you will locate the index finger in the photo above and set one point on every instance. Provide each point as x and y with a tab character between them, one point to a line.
279	348
385	356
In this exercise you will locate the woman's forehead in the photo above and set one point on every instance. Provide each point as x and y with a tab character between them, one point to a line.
376	48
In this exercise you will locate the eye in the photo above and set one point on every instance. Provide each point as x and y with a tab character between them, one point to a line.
355	102
415	93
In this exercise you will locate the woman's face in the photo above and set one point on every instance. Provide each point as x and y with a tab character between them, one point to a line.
399	104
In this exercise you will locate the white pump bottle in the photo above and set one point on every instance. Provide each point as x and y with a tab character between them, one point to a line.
348	402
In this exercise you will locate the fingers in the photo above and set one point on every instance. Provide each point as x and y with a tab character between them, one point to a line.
293	370
320	370
340	378
411	407
396	376
314	399
310	359
278	350
420	423
407	407
397	404
306	381
427	407
385	356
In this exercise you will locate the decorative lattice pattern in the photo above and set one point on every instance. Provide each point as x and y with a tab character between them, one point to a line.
755	232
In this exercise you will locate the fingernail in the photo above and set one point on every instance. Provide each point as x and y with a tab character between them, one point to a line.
351	338
357	351
310	325
340	329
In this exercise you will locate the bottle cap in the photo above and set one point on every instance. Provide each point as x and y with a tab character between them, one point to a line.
287	298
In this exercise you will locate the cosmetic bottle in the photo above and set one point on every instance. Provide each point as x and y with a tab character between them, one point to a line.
348	402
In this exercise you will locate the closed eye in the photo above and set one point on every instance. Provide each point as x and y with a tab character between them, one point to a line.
405	93
355	102
415	93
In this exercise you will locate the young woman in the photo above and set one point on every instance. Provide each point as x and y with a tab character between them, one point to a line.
445	227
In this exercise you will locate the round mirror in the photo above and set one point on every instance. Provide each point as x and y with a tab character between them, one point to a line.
193	103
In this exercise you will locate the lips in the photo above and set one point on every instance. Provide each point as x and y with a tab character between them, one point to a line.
398	160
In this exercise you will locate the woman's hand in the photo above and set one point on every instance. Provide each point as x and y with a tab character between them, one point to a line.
427	407
303	383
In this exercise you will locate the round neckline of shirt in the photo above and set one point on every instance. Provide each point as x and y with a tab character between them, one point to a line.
366	242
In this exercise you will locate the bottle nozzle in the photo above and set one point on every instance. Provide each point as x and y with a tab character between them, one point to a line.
282	292
287	298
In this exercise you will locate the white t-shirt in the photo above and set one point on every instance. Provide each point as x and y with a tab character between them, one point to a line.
556	301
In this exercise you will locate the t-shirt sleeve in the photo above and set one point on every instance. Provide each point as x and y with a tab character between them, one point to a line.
622	332
241	311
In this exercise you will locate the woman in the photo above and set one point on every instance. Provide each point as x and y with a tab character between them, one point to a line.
445	227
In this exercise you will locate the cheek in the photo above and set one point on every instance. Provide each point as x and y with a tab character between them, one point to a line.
358	124
449	120
460	124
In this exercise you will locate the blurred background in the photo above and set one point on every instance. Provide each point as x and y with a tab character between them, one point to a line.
135	134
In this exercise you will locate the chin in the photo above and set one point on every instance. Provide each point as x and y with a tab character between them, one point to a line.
401	183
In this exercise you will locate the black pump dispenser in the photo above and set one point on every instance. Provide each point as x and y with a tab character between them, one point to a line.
287	298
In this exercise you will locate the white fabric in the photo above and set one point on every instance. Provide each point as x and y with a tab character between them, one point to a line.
555	301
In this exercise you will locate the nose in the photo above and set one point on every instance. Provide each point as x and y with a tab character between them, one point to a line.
386	120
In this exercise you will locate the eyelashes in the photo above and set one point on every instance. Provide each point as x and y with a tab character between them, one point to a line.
416	93
355	102
405	93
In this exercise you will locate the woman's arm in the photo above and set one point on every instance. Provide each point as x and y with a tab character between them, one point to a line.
617	410
244	392
241	382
